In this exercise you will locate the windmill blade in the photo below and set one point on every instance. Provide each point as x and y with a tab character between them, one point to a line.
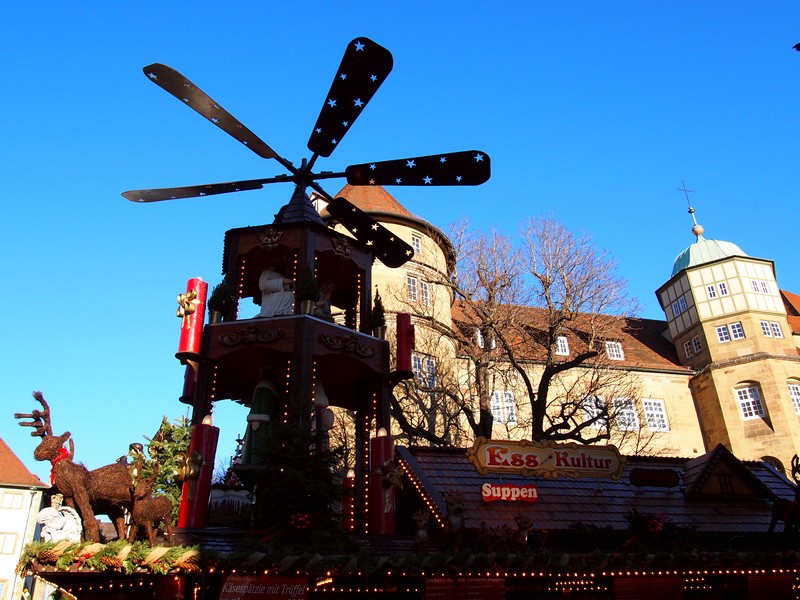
193	191
191	95
470	167
387	247
363	69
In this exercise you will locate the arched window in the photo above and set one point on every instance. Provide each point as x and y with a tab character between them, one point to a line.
771	460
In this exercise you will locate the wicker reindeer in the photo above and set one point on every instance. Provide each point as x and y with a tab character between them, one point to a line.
148	511
788	511
106	490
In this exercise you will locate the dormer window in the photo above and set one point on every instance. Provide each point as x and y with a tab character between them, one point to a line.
562	346
480	339
614	351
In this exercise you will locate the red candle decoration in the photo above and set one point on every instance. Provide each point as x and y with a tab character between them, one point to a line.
197	475
191	311
405	343
381	493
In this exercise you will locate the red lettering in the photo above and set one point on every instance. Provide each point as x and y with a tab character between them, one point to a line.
517	460
495	456
532	461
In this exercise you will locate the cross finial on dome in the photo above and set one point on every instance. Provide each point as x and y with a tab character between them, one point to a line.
697	229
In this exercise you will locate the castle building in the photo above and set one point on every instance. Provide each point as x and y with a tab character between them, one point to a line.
723	368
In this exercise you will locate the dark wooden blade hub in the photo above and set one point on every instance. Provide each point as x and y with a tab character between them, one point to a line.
363	69
470	167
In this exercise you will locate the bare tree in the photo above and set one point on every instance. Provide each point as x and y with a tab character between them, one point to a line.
572	297
531	323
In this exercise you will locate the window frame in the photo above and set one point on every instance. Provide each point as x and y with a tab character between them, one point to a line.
562	349
711	291
751	403
617	353
722	287
737	330
412	288
626	406
794	395
655	411
5	536
777	330
723	334
504	410
425	293
416	243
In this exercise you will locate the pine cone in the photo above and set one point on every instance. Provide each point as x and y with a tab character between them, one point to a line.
48	556
111	561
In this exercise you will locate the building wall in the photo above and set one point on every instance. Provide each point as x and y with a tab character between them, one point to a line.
18	510
701	404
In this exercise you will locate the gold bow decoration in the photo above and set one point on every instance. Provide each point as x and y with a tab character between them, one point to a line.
189	470
391	479
187	305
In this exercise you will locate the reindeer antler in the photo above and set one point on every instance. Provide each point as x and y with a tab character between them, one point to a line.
41	418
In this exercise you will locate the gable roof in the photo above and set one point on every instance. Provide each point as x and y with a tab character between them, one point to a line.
718	473
643	343
373	199
13	472
602	502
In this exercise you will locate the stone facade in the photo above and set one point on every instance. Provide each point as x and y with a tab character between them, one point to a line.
721	366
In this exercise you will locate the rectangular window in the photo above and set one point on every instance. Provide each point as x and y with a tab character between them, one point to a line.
754	283
723	288
688	349
656	415
594	408
625	414
425	296
412	286
416	243
430	371
794	394
614	351
766	329
562	346
424	368
737	331
416	366
750	403
503	408
8	543
696	345
776	329
722	334
679	306
11	500
711	291
764	287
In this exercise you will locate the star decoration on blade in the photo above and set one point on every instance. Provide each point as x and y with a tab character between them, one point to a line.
365	65
457	168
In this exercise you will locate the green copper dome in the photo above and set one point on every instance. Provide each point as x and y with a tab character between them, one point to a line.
704	251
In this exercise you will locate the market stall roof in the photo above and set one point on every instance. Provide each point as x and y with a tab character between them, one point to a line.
713	493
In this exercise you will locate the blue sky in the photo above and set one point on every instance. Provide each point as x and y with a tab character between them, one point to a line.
591	112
